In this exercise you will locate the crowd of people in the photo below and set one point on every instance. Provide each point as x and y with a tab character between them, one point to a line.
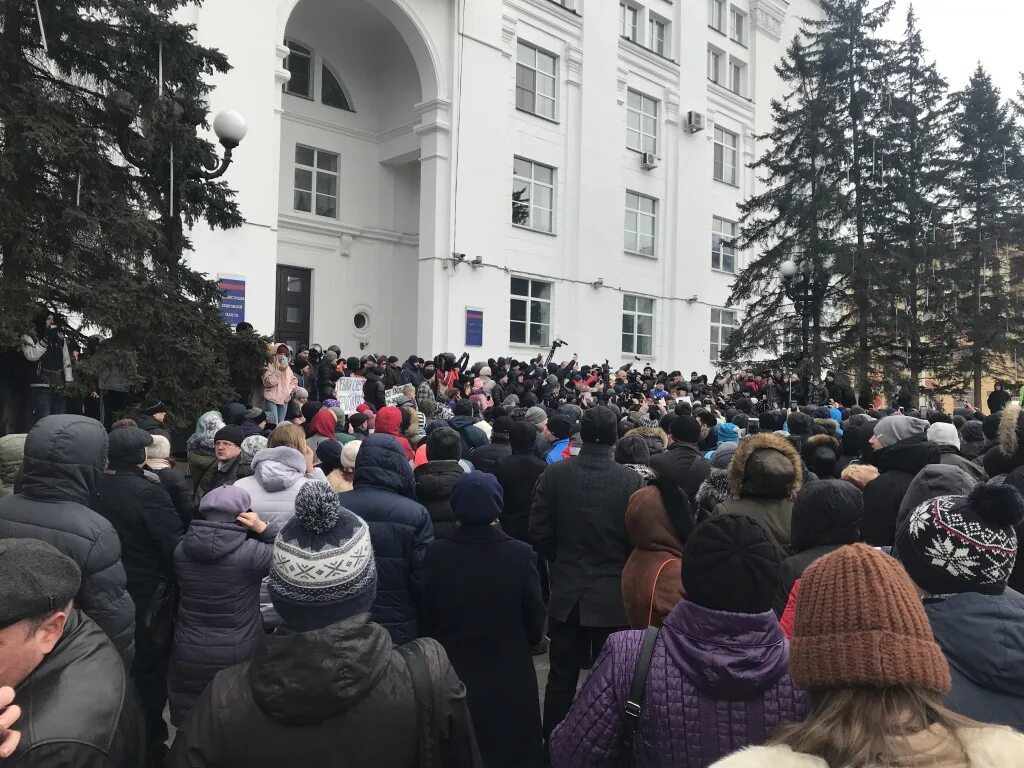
357	562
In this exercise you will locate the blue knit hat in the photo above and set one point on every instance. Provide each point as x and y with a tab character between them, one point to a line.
728	433
324	569
477	498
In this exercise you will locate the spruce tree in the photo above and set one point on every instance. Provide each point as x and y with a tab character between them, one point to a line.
91	225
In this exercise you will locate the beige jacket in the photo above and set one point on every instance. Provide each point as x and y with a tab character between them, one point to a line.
278	385
988	747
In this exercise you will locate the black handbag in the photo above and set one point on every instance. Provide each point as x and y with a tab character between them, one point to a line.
158	620
634	701
428	748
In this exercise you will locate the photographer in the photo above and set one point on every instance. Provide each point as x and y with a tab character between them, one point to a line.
46	346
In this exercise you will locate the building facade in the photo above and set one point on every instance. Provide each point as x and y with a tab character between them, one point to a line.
490	175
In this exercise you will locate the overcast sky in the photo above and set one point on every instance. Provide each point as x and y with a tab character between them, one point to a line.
960	33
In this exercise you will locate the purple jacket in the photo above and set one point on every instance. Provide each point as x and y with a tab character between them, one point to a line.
718	682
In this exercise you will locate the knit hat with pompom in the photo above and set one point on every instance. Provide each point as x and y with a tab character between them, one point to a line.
323	570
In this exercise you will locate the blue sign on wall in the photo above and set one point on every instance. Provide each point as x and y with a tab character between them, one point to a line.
474	327
232	303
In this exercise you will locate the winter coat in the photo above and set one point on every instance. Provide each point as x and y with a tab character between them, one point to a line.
78	706
150	424
181	494
335	697
482	602
652	578
374	392
685	465
216	475
219	567
12	453
717	682
897	465
987	747
149	528
950	455
712	492
388	422
578	521
400	530
982	637
410	375
63	460
486	457
518	475
278	385
472	436
435	482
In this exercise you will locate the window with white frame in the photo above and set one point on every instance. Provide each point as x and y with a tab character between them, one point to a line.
637	325
536	81
715	65
723	321
530	312
316	181
716	15
629	22
641	122
738	25
726	153
641	224
737	77
659	35
533	195
299	62
723	244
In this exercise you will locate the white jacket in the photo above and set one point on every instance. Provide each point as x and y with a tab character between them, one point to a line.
988	747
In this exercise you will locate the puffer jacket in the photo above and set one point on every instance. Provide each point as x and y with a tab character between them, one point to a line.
652	579
717	682
472	436
951	456
219	568
897	464
384	495
435	482
64	457
278	385
334	697
12	452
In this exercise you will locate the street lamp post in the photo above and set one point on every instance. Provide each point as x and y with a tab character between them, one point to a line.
796	282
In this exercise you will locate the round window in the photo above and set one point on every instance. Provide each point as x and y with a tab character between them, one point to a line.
360	320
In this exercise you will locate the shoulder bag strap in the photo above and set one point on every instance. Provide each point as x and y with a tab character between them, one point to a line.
428	749
634	701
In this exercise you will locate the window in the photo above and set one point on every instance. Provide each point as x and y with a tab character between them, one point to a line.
629	22
714	65
530	312
716	15
316	181
722	323
659	36
723	244
533	195
637	325
737	77
536	75
641	122
726	144
331	92
738	26
641	215
299	62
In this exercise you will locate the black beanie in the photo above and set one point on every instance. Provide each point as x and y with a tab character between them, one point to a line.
990	426
686	429
233	413
731	564
827	512
444	444
232	433
599	425
560	426
310	409
522	436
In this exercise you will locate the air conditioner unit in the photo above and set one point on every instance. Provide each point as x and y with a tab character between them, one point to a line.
648	160
694	121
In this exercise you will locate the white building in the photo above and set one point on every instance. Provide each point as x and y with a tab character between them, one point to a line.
568	168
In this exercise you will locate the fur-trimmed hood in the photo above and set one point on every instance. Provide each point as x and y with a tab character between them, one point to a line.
765	466
713	491
655	438
1008	452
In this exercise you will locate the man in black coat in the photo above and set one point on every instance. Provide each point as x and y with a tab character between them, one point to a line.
998	398
77	706
486	457
373	387
578	522
436	479
64	458
518	475
683	463
144	517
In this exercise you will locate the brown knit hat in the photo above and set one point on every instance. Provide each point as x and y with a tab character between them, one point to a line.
859	621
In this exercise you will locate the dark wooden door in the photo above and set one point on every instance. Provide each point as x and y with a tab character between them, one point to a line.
291	325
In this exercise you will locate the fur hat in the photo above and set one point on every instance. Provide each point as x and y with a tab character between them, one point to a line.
766	466
159	449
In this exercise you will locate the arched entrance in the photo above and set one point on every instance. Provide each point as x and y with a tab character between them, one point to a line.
364	176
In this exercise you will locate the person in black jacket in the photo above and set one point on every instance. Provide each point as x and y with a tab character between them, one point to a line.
77	707
159	462
149	527
998	398
436	479
578	522
482	602
373	387
518	475
64	458
683	463
486	457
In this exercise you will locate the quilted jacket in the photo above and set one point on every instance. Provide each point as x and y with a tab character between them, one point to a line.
717	682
